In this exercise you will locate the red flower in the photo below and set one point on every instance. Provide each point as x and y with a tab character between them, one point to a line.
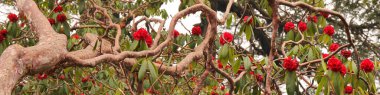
227	93
51	21
324	55
246	19
302	26
326	15
343	70
82	94
241	68
12	17
58	9
333	47
3	32
367	65
85	79
312	18
194	78
259	78
196	30
22	24
2	38
75	36
142	34
252	73
348	90
214	93
215	87
62	77
150	90
220	65
290	64
288	26
149	40
226	37
329	30
334	64
228	66
345	53
42	76
175	33
61	17
222	87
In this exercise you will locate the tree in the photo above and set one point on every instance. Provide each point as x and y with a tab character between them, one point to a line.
107	53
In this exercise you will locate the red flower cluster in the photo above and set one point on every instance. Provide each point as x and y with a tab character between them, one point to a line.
348	90
288	26
290	64
343	70
196	30
333	47
58	9
326	15
85	79
142	34
75	36
324	55
214	93
12	17
246	19
3	35
251	72
61	17
62	77
151	91
22	24
312	18
345	53
226	37
41	76
302	26
175	33
241	69
220	65
336	65
259	78
222	87
51	21
367	65
329	30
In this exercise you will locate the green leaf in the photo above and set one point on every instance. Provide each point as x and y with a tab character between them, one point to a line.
81	5
291	82
247	63
337	83
236	66
320	85
229	21
248	32
153	71
310	55
66	29
290	35
142	70
96	44
223	51
134	45
142	45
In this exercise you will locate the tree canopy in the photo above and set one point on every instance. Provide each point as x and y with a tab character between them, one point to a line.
92	47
